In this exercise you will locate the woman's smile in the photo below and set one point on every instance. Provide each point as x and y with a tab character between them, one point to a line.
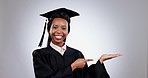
58	37
59	31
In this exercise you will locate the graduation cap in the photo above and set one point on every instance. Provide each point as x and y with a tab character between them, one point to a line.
57	13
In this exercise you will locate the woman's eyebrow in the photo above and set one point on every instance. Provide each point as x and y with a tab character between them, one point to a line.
55	25
64	26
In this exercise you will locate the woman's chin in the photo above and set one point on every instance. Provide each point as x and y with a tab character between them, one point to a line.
58	41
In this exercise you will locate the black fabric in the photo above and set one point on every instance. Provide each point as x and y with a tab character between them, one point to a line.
66	11
48	63
40	44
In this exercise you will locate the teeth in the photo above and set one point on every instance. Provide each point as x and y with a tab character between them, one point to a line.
59	37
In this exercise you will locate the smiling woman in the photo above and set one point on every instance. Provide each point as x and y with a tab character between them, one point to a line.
59	31
104	26
58	60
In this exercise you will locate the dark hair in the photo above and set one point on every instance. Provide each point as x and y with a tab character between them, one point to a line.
57	15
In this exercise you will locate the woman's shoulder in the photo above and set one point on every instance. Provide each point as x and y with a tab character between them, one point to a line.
74	50
40	50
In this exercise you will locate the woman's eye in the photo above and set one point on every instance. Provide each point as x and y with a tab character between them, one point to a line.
64	28
54	27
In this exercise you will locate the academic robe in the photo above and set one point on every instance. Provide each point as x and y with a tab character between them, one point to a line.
48	63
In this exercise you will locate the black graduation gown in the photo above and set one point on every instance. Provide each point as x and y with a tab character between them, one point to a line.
48	63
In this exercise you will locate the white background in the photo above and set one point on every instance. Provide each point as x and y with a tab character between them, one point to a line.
104	26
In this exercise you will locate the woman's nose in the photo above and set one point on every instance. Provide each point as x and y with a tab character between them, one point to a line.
59	30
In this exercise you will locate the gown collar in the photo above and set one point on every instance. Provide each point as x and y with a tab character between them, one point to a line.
61	50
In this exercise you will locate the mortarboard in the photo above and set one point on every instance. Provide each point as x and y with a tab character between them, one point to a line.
69	12
57	13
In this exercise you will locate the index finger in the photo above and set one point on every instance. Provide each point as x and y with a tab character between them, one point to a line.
87	60
119	54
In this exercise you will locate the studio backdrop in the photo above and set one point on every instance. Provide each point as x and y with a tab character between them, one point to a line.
104	26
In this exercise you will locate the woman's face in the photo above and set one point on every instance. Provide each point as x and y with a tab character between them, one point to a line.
58	31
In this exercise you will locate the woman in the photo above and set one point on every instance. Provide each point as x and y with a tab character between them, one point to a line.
58	60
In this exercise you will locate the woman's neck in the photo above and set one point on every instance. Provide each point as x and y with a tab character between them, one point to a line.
58	44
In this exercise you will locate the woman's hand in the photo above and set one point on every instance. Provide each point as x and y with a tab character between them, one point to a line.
105	57
79	63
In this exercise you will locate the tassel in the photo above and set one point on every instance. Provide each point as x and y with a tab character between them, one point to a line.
41	41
